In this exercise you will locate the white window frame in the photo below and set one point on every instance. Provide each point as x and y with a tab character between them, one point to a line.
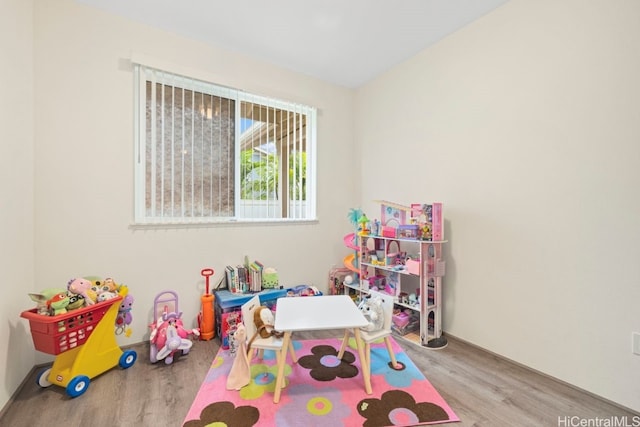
296	213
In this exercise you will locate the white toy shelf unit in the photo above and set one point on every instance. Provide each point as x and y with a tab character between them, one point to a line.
401	255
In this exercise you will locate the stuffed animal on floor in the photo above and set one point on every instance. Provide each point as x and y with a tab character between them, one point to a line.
371	307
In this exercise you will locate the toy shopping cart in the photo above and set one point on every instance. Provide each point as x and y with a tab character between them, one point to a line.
84	343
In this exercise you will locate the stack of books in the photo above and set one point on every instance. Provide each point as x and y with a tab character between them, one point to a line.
245	278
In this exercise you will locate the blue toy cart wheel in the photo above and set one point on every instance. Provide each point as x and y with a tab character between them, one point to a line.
78	385
128	358
43	378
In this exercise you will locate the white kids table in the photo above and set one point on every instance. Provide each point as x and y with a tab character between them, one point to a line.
315	313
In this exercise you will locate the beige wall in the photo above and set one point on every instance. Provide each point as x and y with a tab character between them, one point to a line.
16	188
84	164
83	170
525	124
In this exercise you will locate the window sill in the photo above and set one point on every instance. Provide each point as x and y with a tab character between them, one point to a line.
217	224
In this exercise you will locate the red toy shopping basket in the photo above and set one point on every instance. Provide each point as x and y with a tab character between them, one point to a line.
57	334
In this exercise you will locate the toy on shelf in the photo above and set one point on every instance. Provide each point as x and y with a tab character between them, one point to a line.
168	334
375	228
428	218
350	261
354	215
363	225
270	278
393	214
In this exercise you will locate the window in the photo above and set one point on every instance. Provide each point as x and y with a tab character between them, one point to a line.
211	154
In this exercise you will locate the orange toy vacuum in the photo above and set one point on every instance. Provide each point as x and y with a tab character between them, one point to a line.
206	319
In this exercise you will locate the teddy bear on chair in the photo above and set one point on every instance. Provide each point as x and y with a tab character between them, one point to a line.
372	309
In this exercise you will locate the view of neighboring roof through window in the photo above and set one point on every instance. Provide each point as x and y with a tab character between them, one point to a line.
210	154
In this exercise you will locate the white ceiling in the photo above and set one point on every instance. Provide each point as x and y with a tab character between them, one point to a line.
346	42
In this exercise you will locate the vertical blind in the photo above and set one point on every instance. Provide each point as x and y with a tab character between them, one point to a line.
208	153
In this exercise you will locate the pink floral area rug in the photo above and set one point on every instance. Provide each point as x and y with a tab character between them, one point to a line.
321	390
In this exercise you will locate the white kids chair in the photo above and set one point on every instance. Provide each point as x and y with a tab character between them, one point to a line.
373	336
255	341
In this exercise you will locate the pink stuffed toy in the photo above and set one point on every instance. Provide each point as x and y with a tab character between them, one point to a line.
168	336
82	287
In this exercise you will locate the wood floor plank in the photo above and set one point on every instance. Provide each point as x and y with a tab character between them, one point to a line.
482	388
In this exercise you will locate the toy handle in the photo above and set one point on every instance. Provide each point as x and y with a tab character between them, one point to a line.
206	272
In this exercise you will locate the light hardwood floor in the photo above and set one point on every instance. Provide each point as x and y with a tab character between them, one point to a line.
483	390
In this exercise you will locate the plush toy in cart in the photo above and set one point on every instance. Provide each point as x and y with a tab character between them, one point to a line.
79	292
124	317
168	334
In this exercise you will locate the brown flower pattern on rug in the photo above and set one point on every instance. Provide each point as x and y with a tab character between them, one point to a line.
396	407
324	364
226	414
